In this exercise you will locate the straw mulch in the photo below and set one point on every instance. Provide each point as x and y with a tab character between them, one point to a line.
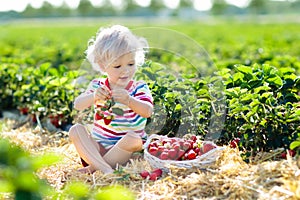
265	177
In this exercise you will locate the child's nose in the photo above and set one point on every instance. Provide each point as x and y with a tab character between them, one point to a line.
126	69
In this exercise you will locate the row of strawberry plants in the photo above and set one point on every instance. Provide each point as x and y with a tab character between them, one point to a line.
262	105
40	91
262	102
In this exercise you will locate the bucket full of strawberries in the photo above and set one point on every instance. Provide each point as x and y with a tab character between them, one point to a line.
191	151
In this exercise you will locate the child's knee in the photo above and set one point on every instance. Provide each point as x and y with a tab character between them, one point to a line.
131	142
75	130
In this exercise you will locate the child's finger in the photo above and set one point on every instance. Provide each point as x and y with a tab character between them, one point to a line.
102	93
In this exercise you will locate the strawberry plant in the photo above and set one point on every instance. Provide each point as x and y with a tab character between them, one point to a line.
47	92
263	106
180	104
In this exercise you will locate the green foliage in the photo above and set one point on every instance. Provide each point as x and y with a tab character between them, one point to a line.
179	102
17	172
263	108
44	90
19	181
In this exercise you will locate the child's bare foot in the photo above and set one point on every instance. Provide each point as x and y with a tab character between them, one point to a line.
91	170
87	170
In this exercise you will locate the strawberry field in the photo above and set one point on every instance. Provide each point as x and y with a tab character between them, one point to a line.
243	96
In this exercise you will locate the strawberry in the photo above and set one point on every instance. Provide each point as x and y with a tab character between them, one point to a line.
191	154
164	155
166	140
154	143
173	140
172	154
24	110
153	176
160	149
207	147
107	121
176	146
180	154
33	118
292	153
197	150
153	151
186	146
289	152
194	138
235	143
144	174
157	171
98	116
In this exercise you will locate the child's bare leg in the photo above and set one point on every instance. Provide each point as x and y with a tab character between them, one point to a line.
122	151
88	149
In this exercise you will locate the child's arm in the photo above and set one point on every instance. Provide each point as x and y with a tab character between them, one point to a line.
142	108
85	100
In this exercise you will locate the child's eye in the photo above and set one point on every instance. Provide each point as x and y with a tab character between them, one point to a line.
131	64
118	66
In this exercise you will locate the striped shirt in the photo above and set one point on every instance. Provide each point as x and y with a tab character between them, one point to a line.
110	134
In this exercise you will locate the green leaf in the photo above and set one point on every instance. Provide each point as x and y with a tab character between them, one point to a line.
295	144
77	190
287	70
45	160
238	76
6	186
110	193
244	69
261	88
118	111
178	107
276	80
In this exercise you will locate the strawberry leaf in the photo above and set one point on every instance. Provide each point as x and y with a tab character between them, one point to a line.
118	111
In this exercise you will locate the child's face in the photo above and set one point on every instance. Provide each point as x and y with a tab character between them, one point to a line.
121	71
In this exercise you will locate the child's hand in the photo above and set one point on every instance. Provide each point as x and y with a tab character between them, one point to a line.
121	96
102	93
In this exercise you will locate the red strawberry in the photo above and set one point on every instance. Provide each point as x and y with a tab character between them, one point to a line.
153	151
107	121
33	118
186	146
180	154
173	140
176	146
24	110
191	154
235	143
207	147
153	177
194	138
166	140
164	155
98	116
197	150
172	154
157	171
292	153
144	174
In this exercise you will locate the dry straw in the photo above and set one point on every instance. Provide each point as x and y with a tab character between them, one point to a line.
229	177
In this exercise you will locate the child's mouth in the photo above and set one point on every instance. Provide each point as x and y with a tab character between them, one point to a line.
123	78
